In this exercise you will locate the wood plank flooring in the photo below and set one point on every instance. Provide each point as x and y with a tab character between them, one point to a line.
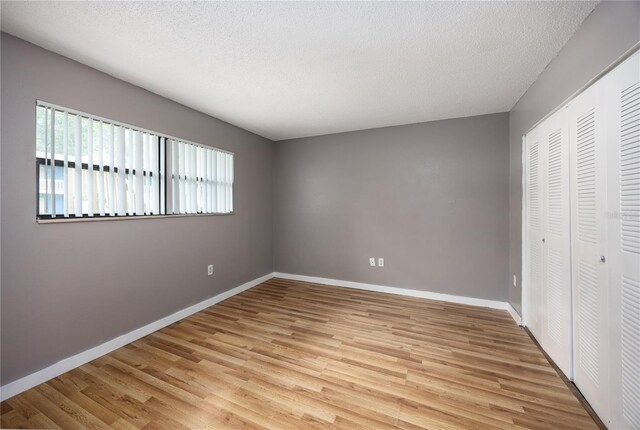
294	355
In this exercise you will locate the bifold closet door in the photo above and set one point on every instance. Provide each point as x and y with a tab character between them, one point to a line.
535	213
556	242
583	242
623	222
548	310
587	143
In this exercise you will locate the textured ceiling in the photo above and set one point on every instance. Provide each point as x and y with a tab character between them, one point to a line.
295	69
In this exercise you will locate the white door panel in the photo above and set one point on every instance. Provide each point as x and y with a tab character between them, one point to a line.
548	312
587	145
623	222
557	337
534	218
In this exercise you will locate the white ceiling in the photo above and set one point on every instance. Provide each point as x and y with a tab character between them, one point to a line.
292	69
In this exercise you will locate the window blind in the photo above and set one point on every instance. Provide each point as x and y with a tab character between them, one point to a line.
201	179
87	166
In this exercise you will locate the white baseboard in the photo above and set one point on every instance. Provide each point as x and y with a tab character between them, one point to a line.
30	381
394	290
514	314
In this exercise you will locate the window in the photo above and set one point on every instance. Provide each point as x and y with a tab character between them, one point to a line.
92	167
202	179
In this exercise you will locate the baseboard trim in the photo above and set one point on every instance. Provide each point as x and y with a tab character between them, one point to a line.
494	304
23	384
514	314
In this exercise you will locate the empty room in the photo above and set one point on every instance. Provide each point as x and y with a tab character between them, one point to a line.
320	215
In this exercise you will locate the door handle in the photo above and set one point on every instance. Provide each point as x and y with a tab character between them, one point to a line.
602	259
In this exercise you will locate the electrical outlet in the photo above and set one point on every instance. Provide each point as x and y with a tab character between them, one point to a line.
210	270
515	281
372	262
380	262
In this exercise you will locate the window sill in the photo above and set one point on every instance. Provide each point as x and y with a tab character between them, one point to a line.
62	219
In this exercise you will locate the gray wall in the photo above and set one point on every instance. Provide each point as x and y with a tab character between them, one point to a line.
431	198
610	30
68	287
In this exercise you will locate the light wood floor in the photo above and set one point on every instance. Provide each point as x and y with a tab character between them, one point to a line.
294	355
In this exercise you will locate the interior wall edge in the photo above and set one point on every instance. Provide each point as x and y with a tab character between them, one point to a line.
514	314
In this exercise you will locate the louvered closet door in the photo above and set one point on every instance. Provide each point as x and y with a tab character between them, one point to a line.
587	143
557	324
623	216
535	212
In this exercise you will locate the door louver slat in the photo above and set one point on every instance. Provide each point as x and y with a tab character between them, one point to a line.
587	319
630	169
554	190
586	177
631	350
